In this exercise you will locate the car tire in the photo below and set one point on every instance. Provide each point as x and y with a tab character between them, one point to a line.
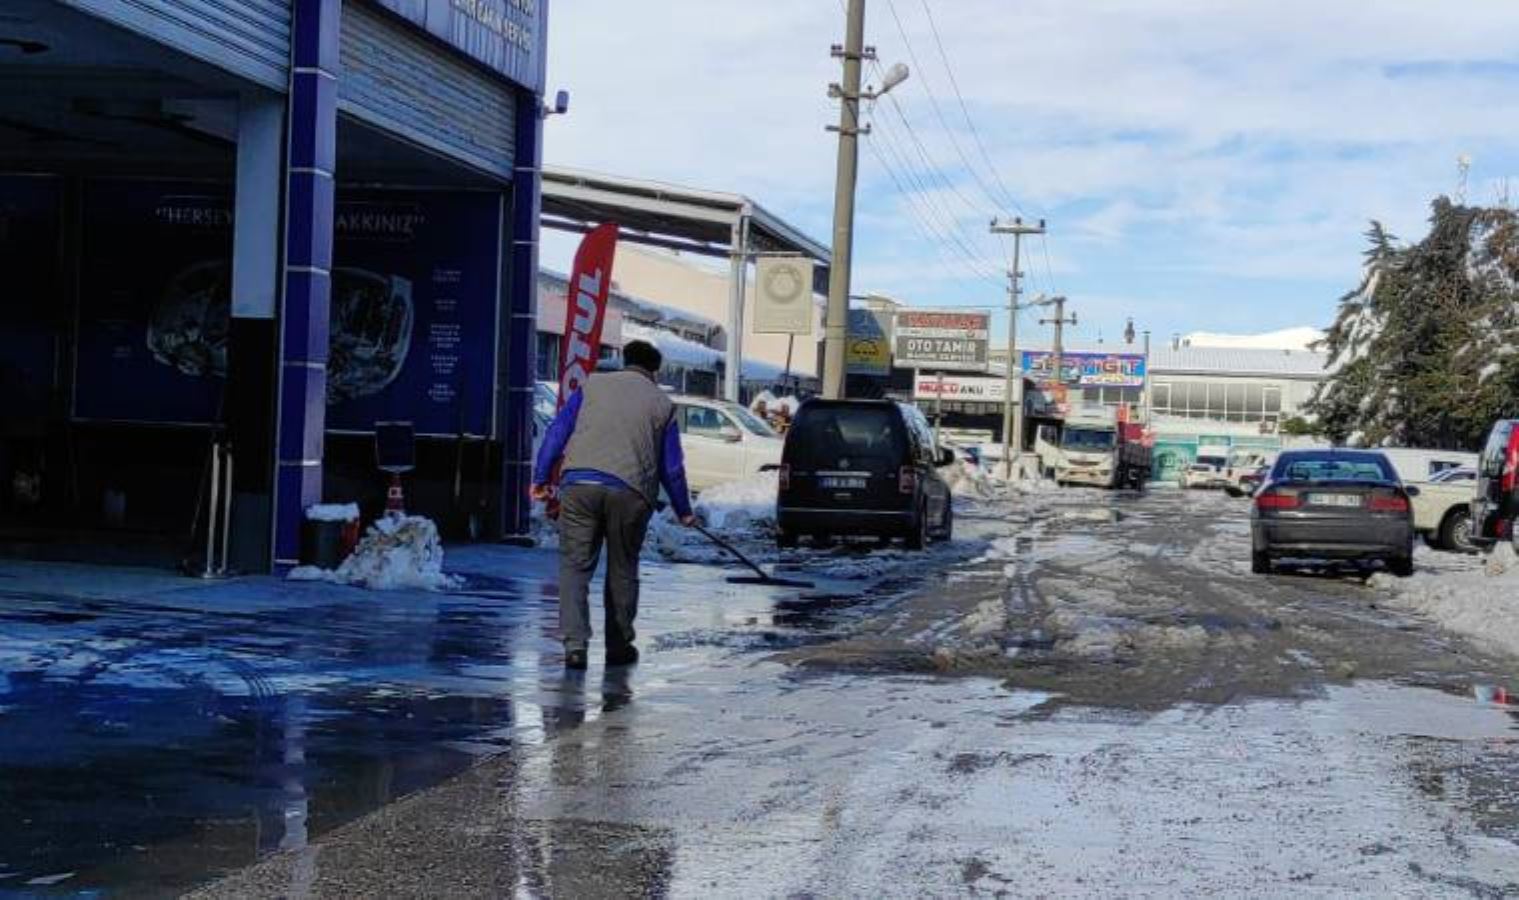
822	540
786	540
1456	532
947	533
1260	563
917	538
1401	566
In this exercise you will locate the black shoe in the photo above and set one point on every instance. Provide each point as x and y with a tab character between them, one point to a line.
625	655
575	659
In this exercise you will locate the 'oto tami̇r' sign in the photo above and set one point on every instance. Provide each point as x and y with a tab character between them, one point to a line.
942	340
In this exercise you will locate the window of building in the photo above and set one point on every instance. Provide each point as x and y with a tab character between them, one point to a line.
548	357
1219	401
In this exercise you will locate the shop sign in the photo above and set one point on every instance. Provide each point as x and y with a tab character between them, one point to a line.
412	320
942	340
506	35
1086	369
868	350
959	388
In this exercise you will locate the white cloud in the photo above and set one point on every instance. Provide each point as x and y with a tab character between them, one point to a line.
1176	147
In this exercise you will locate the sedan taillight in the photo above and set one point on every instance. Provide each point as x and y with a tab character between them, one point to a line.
907	480
1395	503
1277	501
784	473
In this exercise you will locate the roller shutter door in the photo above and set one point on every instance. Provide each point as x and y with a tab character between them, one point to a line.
397	78
250	38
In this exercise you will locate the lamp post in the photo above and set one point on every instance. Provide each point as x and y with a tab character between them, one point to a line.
854	53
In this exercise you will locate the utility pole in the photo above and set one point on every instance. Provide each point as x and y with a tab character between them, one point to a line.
1012	408
836	322
836	327
1060	321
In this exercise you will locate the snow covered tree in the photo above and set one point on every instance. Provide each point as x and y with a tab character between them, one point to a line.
1425	351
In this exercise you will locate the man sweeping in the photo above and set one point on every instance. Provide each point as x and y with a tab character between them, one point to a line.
619	443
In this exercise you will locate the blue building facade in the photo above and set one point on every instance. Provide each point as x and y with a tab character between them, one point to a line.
265	225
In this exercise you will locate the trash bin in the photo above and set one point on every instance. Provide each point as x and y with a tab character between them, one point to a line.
329	534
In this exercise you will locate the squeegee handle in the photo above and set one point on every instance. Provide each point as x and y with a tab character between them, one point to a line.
731	549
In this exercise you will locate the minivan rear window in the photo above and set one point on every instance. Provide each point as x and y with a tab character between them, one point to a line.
845	437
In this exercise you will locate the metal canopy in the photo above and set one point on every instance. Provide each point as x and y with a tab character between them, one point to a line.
691	220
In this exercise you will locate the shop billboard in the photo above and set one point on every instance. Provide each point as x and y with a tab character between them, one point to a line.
868	350
413	307
504	35
959	388
439	254
942	340
1086	369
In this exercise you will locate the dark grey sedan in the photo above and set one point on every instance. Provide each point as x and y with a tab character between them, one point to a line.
1333	504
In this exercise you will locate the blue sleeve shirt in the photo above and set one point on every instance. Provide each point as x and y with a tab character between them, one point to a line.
672	462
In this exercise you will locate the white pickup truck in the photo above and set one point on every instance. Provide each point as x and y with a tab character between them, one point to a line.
1442	511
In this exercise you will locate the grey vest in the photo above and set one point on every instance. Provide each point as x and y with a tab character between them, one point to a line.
621	429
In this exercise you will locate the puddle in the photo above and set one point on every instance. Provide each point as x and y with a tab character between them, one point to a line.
211	740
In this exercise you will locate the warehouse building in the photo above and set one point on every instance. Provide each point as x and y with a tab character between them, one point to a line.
239	234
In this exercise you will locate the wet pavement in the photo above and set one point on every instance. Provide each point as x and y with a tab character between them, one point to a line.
1087	694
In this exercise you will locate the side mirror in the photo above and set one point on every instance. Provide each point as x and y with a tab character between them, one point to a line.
946	457
730	434
1410	490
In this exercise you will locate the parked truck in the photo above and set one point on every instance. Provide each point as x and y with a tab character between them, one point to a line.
1098	448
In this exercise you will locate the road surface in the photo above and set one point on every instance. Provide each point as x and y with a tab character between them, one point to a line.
1086	694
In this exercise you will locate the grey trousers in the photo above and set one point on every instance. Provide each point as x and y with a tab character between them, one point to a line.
591	515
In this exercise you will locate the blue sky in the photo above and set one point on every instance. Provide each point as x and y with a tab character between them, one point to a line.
1203	165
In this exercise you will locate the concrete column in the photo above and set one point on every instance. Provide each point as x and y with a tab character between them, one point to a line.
252	339
310	162
520	320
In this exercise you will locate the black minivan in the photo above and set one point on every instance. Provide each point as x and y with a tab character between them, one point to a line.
863	467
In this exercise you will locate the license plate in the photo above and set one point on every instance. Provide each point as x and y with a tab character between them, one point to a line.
835	483
1346	500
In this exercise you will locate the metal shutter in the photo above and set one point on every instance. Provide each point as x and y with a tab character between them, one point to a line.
397	78
250	38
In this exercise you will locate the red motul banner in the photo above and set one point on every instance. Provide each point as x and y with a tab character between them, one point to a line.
586	308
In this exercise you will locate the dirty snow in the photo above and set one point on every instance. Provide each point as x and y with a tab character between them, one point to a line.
398	552
741	506
1474	596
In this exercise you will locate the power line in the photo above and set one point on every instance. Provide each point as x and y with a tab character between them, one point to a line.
930	223
951	225
965	112
933	100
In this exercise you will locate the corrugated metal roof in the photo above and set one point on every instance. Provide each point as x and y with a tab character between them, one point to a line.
1238	361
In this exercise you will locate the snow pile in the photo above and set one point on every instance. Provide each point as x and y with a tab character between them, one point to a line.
967	479
741	506
398	552
1481	603
774	404
333	512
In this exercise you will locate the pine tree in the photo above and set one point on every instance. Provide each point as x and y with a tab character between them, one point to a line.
1425	351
